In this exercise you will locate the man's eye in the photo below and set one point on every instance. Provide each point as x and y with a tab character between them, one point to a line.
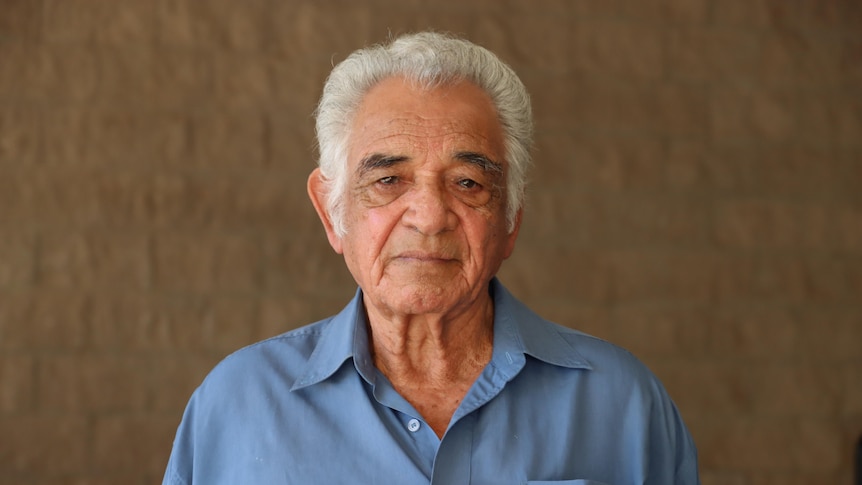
389	180
468	184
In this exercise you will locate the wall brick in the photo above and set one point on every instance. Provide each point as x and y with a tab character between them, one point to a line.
676	109
599	163
785	279
239	201
554	102
145	322
16	383
615	276
740	112
840	343
485	26
761	390
192	262
114	451
818	478
660	11
70	198
243	81
21	20
303	30
216	25
17	265
759	14
20	136
555	153
66	137
852	404
757	224
97	20
548	210
536	45
290	146
92	383
719	401
139	76
306	265
70	73
830	14
293	94
94	259
722	478
659	330
742	331
780	62
616	221
827	116
229	139
705	54
618	49
686	166
21	71
47	320
127	320
226	323
28	439
781	170
175	322
108	139
83	478
805	445
588	273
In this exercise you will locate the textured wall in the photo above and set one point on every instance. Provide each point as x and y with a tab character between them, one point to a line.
696	198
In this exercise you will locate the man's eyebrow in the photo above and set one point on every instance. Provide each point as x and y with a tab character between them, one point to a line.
483	162
379	160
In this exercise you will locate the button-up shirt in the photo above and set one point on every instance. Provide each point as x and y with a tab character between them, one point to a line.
553	405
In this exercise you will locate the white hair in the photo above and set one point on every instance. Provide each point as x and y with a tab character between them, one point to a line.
429	59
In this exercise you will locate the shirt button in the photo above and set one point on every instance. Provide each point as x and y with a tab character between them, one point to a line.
413	425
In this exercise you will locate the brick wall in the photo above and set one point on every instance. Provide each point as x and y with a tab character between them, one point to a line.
696	198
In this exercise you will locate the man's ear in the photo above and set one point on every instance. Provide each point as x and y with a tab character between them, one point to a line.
317	190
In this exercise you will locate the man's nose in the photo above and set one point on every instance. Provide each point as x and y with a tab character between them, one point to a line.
429	209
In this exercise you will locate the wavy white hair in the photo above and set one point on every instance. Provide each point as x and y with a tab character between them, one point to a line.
429	59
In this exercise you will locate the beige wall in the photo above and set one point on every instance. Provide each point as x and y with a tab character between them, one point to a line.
696	198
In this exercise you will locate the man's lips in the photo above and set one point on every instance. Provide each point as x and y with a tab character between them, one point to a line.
424	256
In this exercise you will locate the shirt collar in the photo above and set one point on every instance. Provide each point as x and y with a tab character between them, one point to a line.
344	333
518	331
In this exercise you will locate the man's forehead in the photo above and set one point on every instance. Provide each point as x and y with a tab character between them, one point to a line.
415	130
396	116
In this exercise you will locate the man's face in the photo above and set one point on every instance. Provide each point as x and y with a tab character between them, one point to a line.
425	204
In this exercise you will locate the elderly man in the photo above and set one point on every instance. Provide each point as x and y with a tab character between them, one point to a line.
434	372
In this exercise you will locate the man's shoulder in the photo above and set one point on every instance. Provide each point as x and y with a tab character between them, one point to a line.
301	339
604	356
276	359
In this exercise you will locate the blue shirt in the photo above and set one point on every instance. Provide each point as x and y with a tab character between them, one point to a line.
553	406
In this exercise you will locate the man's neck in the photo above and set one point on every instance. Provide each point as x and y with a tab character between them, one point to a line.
432	361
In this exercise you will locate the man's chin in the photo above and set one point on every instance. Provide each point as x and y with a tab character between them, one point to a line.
425	295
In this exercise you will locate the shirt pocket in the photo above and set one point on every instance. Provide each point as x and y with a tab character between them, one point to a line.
565	482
